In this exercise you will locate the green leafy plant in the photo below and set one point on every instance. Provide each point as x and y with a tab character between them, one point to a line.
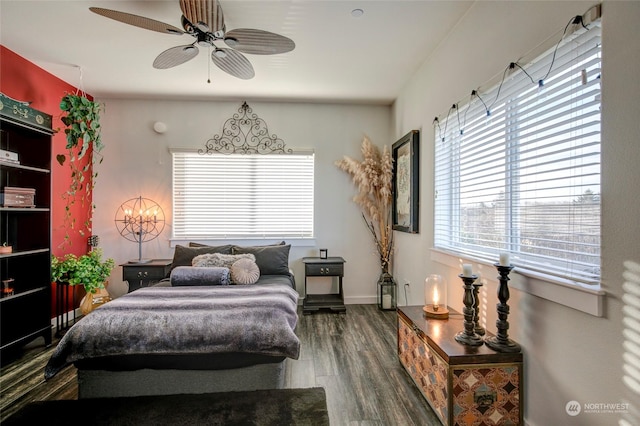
82	121
88	270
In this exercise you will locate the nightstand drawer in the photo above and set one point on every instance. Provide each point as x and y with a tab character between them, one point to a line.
324	269
143	273
146	273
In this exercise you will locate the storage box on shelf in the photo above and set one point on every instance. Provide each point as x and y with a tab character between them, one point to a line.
25	217
17	197
465	385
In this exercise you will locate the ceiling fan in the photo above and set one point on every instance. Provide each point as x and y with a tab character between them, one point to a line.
204	21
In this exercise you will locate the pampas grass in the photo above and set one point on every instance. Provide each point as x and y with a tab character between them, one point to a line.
372	177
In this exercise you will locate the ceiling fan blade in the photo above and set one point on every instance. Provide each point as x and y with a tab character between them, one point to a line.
205	14
138	21
234	63
175	56
258	42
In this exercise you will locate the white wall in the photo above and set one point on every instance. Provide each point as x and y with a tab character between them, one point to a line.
137	162
569	355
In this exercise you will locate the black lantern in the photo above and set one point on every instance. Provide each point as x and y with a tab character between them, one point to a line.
387	292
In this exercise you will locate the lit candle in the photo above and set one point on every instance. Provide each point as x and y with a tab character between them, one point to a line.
436	299
466	270
504	259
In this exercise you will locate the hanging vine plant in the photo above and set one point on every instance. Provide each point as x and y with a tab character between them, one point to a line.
82	121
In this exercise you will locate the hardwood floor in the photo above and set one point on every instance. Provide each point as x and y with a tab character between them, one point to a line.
353	356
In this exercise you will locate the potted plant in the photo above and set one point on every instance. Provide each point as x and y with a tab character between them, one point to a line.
88	270
82	121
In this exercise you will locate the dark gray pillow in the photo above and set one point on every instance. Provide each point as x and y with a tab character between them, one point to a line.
272	260
182	256
191	275
223	247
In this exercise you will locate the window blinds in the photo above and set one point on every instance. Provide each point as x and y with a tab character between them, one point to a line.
525	176
242	196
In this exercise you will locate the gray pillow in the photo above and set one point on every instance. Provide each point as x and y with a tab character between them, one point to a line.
271	260
183	256
189	276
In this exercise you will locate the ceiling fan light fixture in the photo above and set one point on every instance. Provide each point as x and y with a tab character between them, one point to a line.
220	53
204	40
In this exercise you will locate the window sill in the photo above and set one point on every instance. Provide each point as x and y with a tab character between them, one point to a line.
581	298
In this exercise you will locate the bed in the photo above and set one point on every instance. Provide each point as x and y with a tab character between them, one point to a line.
189	336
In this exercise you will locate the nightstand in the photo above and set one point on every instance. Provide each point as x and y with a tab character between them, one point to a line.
144	274
329	267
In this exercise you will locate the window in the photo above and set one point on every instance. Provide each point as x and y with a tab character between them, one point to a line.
518	169
242	196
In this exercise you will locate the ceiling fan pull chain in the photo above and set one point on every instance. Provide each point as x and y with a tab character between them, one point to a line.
209	67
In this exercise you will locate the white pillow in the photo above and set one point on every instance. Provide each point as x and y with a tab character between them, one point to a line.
245	271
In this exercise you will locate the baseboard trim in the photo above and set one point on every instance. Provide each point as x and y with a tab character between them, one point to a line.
360	300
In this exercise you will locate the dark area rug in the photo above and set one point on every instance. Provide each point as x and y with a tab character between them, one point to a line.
262	407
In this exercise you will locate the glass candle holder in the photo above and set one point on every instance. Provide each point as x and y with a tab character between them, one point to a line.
435	297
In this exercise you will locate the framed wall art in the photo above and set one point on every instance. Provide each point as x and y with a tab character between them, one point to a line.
406	183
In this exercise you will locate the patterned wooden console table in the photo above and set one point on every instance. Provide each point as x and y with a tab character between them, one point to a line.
464	385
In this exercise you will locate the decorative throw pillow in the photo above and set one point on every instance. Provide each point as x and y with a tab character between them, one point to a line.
219	259
244	271
272	260
188	276
183	256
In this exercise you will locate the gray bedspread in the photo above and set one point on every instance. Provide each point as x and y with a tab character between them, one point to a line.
257	319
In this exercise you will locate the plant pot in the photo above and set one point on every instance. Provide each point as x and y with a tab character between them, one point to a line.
93	300
6	249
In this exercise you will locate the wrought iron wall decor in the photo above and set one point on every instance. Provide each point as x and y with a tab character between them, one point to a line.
245	133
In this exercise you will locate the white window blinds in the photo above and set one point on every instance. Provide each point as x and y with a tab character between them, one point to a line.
242	196
526	177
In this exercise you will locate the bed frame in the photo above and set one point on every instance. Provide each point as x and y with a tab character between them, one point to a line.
109	384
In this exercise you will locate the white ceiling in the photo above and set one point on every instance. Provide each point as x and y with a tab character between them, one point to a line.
338	58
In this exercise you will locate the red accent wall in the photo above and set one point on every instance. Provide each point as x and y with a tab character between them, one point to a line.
22	80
